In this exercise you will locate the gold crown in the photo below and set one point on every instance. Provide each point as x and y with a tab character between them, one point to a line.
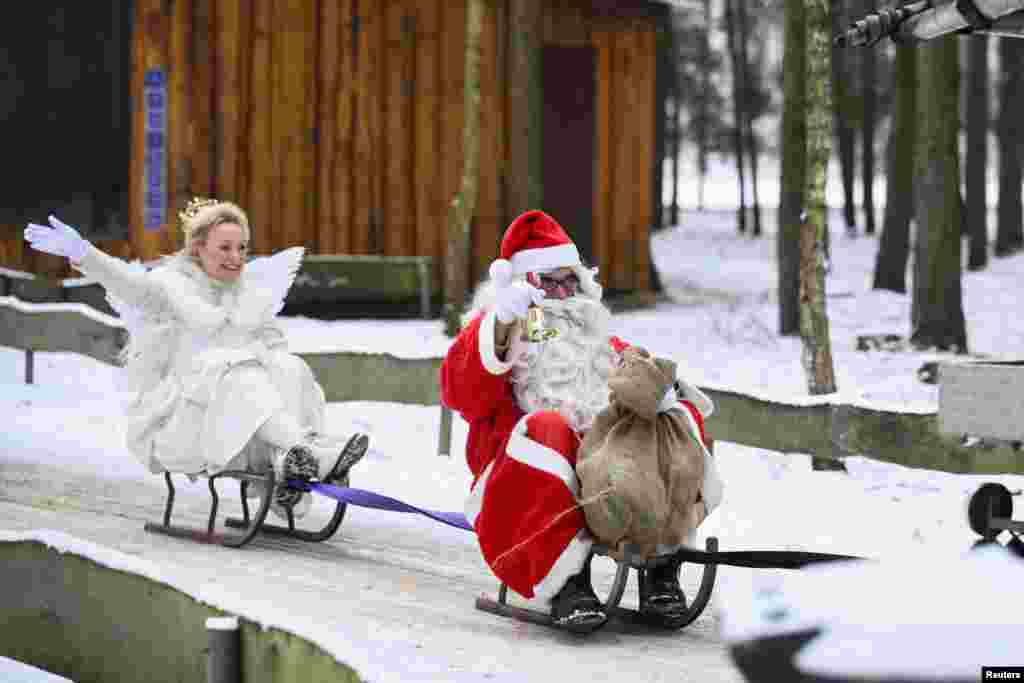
192	210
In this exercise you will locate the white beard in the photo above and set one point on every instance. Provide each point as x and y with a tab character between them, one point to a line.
568	373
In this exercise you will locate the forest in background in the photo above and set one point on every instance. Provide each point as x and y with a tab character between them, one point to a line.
936	124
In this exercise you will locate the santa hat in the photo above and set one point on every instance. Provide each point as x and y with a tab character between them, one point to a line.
534	242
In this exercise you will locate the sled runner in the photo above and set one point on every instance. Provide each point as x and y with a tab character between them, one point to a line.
990	511
250	524
615	612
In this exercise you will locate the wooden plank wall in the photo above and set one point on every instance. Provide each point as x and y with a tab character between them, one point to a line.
337	124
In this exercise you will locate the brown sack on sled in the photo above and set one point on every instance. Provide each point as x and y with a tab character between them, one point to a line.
640	470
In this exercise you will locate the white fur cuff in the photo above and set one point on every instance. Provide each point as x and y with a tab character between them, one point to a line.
569	563
485	342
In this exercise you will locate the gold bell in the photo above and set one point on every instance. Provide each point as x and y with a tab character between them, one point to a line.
536	330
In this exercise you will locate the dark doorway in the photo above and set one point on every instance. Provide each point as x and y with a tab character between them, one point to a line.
65	71
569	95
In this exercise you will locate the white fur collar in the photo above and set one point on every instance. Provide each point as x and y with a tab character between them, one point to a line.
204	301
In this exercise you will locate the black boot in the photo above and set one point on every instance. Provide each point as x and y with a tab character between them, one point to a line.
576	607
662	601
353	452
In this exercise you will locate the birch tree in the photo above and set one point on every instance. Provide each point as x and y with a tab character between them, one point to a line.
814	327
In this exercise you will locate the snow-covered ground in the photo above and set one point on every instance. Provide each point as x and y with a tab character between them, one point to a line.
63	467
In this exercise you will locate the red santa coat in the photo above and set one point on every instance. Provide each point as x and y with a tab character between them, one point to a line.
523	499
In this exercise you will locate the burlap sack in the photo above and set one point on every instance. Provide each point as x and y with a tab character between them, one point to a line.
640	470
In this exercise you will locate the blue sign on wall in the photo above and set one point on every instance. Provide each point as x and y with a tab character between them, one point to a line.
154	97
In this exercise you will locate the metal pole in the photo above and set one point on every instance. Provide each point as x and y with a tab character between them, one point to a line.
30	358
224	664
444	437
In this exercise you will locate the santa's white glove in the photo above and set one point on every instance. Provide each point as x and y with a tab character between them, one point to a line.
60	239
511	301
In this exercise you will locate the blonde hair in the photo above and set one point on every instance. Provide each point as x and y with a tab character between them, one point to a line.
202	216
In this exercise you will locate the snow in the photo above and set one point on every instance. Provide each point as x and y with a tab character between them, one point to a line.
862	623
720	328
84	309
13	671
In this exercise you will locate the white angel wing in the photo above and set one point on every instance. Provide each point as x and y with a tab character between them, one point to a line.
276	273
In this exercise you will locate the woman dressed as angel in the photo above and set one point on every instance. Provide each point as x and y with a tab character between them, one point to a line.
216	387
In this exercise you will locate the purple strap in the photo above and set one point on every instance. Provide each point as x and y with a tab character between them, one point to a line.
369	499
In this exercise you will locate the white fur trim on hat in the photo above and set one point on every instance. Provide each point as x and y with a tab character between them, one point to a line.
501	271
545	258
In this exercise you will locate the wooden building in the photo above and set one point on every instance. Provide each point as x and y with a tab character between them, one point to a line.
337	124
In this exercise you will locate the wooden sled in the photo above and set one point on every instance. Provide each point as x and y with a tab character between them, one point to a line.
250	524
611	605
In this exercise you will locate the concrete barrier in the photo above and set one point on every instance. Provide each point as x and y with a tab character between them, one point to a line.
76	618
835	431
350	376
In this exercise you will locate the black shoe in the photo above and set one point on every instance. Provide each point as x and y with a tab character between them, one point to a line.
576	608
662	601
352	453
297	463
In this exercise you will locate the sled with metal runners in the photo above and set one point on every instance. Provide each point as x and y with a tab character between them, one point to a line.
629	561
250	523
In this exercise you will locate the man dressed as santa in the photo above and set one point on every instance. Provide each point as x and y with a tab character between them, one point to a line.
528	403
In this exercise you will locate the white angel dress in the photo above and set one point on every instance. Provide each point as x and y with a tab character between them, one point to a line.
199	358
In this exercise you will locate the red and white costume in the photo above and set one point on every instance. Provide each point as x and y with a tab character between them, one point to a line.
523	501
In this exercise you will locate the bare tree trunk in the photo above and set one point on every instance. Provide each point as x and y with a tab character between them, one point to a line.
814	327
894	245
731	30
749	93
976	173
524	173
703	105
793	165
1009	235
937	310
841	110
675	135
464	205
869	72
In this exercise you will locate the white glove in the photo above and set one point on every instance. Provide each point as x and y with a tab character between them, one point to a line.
513	300
61	239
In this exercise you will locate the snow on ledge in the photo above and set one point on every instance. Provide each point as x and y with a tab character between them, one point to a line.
69	306
837	399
